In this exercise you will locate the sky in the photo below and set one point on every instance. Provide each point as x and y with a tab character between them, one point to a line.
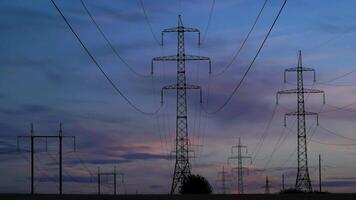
46	77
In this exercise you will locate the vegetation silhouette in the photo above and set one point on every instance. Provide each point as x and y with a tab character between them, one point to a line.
195	184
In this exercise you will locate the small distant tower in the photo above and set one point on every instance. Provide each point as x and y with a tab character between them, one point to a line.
267	186
240	157
223	179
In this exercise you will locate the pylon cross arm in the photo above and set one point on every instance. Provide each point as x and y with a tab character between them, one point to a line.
186	86
180	29
296	91
175	58
296	113
294	69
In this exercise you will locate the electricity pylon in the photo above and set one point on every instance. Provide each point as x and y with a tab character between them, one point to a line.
267	186
223	178
240	167
113	174
303	179
60	138
182	166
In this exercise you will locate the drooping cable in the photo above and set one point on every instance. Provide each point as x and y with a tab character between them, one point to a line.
100	67
252	62
109	42
243	43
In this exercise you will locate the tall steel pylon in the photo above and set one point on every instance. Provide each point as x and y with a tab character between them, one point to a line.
182	166
240	157
303	179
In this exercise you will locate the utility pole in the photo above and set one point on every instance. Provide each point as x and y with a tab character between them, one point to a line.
60	137
282	182
182	166
267	186
303	179
113	175
240	157
223	178
319	173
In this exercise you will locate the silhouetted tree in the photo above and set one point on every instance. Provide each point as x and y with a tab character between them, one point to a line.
195	184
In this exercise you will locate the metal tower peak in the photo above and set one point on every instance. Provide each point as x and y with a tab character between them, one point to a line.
180	22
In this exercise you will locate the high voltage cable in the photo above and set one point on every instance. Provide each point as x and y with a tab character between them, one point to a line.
333	79
100	67
252	62
265	133
331	144
108	41
243	43
334	38
338	77
336	134
148	22
337	108
209	21
295	150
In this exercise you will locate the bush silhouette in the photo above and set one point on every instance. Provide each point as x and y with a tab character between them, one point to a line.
195	184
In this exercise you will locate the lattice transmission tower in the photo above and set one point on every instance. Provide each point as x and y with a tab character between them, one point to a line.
182	166
224	179
303	179
240	168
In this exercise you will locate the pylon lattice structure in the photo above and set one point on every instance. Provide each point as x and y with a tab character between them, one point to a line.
223	179
303	179
240	157
182	166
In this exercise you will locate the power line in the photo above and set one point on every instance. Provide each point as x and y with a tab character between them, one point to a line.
334	38
243	43
149	23
342	108
209	21
108	41
264	134
253	61
336	134
331	144
100	67
328	82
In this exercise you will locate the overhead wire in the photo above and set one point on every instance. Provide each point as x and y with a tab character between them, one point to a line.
332	144
149	23
109	42
252	62
209	22
237	53
336	134
101	68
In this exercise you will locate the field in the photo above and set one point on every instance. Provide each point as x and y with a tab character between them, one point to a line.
180	197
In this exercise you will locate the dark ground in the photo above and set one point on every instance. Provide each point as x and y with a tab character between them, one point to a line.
181	197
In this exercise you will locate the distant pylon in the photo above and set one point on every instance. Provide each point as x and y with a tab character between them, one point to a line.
182	166
60	138
303	179
240	167
267	186
223	178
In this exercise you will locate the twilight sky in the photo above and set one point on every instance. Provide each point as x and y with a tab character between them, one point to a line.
46	77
